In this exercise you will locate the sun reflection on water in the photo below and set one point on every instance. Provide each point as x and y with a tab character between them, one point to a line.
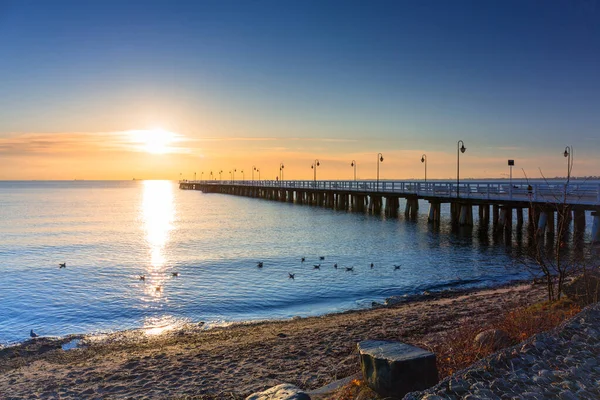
158	213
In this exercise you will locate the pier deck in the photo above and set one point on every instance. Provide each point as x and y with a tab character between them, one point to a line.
545	201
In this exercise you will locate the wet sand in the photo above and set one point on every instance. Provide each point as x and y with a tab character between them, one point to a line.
233	362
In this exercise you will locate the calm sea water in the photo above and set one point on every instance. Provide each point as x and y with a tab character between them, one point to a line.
110	233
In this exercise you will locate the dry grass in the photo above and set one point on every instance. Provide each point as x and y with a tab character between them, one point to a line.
458	350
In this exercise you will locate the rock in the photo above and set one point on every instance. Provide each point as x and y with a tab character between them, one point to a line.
284	391
459	386
395	368
495	339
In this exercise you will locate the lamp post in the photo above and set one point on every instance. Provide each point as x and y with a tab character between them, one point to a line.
220	172
567	153
460	148
511	163
194	176
424	160
314	167
211	175
281	166
180	176
243	176
258	170
353	164
201	175
379	160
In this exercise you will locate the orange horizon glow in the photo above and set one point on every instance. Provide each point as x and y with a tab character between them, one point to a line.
158	153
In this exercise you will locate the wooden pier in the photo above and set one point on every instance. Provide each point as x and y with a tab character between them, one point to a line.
551	207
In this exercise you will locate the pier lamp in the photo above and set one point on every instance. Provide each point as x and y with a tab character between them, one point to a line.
379	160
258	171
314	167
353	164
231	175
220	172
253	169
194	176
180	176
424	160
201	175
243	176
211	176
281	166
567	154
460	148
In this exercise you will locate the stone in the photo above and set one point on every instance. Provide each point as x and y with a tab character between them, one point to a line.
565	395
394	369
458	386
284	391
494	339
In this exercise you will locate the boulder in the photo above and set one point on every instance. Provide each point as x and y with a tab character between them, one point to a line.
494	339
394	369
284	391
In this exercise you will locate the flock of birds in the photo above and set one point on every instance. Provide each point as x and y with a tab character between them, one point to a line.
260	264
141	278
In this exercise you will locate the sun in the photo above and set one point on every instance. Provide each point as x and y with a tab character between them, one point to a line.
154	141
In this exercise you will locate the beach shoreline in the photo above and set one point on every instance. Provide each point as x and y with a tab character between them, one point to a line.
241	358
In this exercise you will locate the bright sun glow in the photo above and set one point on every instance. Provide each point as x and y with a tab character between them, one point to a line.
154	141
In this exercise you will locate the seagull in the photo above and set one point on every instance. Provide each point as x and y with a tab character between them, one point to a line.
349	268
322	258
33	334
335	265
62	265
317	266
291	275
142	277
175	273
303	259
397	267
372	265
259	264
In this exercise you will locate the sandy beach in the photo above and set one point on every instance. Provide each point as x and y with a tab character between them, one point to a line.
233	362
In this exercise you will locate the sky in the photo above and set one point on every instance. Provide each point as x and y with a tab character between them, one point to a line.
169	89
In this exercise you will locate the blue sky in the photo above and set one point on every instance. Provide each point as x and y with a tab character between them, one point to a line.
513	79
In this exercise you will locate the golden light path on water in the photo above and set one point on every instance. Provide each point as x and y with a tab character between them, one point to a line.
158	214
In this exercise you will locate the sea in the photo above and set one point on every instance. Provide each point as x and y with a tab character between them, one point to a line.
111	233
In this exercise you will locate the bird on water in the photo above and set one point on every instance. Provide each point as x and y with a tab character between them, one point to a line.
335	265
317	266
33	334
349	268
291	275
62	265
303	259
372	265
322	258
397	267
142	277
259	264
175	273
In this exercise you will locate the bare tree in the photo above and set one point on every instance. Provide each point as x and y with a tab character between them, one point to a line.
553	258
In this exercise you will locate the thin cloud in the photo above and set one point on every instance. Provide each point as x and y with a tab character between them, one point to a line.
75	142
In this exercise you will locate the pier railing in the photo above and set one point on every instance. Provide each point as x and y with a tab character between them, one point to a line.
550	192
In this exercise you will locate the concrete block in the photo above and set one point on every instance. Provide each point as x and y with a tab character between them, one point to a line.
395	368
